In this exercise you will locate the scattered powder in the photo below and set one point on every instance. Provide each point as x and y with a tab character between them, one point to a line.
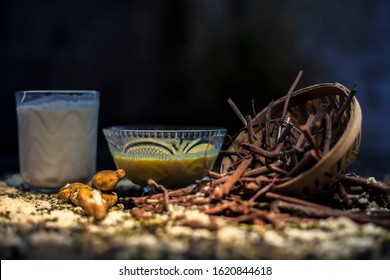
32	223
274	239
231	236
17	207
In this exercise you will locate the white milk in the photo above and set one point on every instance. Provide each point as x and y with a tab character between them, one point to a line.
57	141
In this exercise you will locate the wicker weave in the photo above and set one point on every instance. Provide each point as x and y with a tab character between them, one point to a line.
322	176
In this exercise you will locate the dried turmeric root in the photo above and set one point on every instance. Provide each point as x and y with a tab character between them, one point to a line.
70	192
93	201
106	180
110	197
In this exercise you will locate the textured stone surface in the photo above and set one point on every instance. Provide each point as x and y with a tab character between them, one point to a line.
41	226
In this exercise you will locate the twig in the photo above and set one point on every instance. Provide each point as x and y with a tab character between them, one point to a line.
378	186
309	137
345	104
325	212
262	191
238	113
302	164
153	183
223	190
249	127
328	134
286	103
260	151
268	116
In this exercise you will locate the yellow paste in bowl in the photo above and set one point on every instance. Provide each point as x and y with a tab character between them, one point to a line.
173	171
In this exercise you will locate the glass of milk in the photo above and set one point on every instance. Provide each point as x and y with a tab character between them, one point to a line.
57	132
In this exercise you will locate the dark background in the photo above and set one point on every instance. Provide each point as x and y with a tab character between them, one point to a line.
177	62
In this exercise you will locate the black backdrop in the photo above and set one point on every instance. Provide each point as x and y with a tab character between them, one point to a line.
177	62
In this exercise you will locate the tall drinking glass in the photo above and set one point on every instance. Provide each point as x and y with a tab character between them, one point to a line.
57	136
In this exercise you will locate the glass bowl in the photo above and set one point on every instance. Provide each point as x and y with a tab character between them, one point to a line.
174	157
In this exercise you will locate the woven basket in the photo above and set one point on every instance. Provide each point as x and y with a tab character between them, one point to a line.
322	176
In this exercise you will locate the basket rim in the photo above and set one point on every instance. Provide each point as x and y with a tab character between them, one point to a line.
340	144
